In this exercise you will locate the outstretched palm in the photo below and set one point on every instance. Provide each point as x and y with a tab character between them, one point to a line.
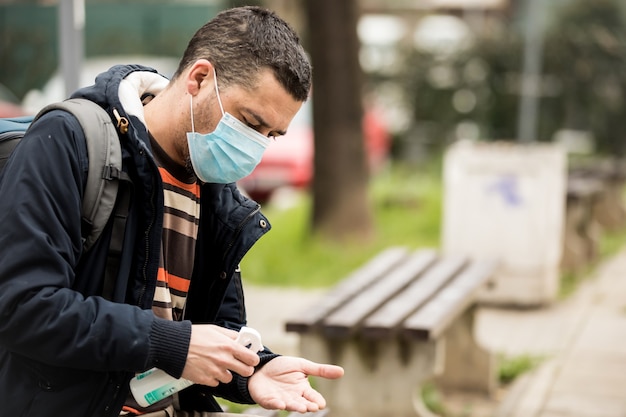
282	384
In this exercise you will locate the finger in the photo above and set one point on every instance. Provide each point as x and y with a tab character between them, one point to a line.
322	370
225	377
302	405
211	382
314	397
245	355
331	371
239	367
243	361
299	405
273	404
243	370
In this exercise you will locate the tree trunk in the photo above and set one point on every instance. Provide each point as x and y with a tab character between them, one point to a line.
340	203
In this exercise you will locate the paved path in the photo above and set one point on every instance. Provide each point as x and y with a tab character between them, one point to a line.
585	340
582	338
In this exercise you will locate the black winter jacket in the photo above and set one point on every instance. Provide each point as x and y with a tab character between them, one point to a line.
65	350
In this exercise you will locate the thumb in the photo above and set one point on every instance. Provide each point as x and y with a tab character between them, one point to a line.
322	370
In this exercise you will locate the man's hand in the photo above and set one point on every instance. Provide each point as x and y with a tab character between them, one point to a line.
213	354
282	384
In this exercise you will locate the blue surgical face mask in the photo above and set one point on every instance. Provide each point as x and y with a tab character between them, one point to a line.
227	154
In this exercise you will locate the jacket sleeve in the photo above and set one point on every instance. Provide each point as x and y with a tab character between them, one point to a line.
232	314
41	316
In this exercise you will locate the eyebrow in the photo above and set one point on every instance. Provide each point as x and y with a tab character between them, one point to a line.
263	123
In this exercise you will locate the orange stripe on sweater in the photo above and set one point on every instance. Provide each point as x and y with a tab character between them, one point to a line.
162	275
170	179
173	281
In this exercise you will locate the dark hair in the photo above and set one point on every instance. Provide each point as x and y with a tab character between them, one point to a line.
239	42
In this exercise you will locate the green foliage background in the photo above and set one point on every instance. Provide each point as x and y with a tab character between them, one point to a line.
583	81
407	211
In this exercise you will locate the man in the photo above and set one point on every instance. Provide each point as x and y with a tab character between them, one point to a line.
66	350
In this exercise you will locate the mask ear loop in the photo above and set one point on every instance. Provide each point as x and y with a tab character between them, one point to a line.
217	91
191	111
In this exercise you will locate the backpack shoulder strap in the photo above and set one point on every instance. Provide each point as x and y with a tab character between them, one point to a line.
105	164
108	189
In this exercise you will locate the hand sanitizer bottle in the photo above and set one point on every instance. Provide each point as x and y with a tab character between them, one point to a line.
153	385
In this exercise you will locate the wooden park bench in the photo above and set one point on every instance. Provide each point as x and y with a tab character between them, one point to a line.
594	205
395	323
582	232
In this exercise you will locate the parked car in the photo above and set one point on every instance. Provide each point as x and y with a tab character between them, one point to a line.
54	89
9	104
288	161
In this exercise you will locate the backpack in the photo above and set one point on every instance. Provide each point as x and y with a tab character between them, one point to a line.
107	192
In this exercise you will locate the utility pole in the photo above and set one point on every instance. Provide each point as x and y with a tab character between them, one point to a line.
71	20
531	73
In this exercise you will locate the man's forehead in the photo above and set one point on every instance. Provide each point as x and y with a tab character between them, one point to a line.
270	105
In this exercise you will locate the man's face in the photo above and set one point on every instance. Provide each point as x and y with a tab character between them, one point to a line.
267	108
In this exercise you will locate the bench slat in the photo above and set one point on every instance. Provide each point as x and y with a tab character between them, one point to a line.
356	282
435	316
389	317
343	321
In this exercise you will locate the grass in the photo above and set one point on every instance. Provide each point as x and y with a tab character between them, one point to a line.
433	399
512	367
407	211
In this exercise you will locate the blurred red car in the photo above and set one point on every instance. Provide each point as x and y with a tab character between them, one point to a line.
9	106
8	109
288	161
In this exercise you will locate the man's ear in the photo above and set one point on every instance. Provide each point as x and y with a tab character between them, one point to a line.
199	74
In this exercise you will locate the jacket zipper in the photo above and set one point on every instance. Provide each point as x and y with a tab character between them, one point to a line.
239	228
232	242
147	240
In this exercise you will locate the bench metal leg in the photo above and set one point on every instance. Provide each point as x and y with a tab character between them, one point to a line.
381	379
468	366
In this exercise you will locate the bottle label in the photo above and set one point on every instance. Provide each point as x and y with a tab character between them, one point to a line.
145	374
162	392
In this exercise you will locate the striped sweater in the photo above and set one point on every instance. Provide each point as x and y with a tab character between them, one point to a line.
180	230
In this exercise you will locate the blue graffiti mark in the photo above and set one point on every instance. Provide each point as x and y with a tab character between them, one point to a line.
507	187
